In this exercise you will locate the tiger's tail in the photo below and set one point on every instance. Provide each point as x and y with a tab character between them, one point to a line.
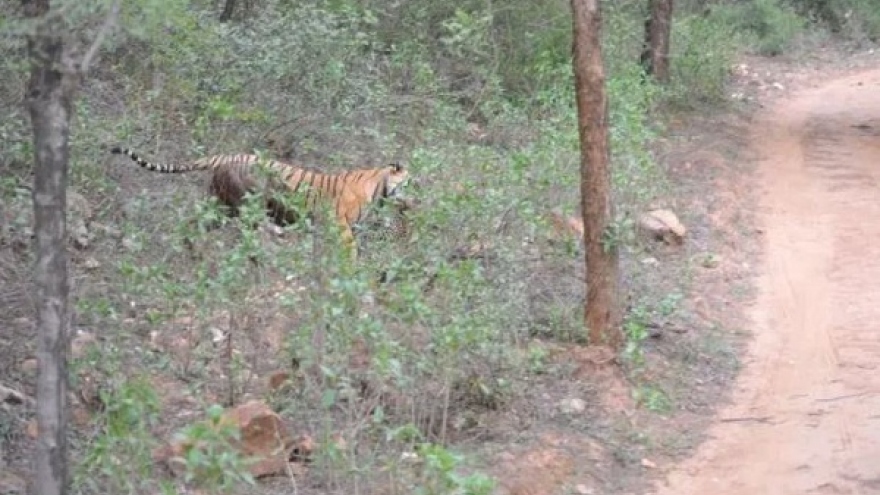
167	168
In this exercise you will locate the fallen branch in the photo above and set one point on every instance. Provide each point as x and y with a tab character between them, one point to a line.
109	23
745	419
841	397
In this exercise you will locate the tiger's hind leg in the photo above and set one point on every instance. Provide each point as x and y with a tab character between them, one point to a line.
280	214
349	244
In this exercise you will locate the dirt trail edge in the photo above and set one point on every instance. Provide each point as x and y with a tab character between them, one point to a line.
805	416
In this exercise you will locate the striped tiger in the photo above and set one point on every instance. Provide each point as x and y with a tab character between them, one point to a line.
349	193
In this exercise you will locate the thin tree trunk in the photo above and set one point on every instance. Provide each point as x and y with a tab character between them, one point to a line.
228	10
49	95
602	312
655	53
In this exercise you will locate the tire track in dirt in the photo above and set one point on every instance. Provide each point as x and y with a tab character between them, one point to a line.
805	417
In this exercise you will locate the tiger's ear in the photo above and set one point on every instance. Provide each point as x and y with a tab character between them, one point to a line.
396	166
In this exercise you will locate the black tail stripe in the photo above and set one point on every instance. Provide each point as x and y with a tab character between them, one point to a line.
156	167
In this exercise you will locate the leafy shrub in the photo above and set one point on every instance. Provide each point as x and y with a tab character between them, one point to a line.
703	50
858	20
769	25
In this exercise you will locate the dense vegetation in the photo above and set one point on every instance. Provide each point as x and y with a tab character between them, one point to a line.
433	337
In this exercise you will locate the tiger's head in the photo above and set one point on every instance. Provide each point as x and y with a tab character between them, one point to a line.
395	180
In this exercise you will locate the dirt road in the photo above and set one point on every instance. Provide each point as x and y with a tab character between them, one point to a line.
806	411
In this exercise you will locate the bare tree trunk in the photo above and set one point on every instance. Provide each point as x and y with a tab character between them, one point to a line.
49	95
655	53
228	10
602	311
50	92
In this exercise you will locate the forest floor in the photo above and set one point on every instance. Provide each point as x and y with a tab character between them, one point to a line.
777	193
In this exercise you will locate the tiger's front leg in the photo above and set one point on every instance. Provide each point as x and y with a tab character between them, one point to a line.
348	241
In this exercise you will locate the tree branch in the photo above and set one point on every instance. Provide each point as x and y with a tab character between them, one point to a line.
109	23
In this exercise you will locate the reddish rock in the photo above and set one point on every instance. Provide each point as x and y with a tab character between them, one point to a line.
263	436
662	225
264	441
567	226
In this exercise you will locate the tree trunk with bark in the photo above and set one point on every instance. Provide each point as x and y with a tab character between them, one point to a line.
228	10
655	53
602	311
49	97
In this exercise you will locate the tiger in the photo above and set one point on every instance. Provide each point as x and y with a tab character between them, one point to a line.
349	193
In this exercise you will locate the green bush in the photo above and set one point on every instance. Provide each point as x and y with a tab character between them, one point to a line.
703	50
857	20
769	25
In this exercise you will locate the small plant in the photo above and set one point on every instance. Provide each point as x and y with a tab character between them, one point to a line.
620	232
210	458
120	455
537	358
669	304
99	306
703	50
439	476
652	398
635	329
637	323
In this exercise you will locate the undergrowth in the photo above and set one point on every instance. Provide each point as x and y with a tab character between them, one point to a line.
417	345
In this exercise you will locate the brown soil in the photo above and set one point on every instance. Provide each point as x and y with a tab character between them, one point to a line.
805	416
